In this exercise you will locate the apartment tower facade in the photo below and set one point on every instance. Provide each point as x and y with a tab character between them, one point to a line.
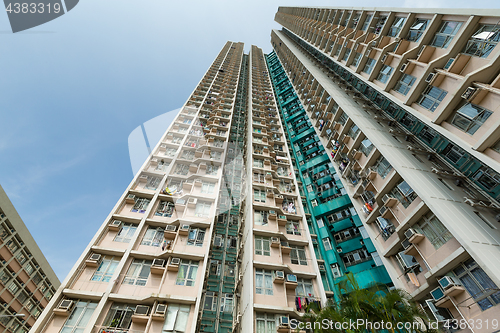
406	104
28	282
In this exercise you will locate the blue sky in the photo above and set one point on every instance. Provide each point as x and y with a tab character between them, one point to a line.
72	91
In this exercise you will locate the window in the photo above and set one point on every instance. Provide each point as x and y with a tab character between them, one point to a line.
258	163
343	118
210	303
382	167
260	217
21	257
187	273
404	193
384	73
138	272
353	131
396	26
357	256
165	209
304	288
153	237
262	246
259	195
478	284
434	230
346	54
140	206
259	178
212	170
431	97
445	34
366	147
483	41
214	268
336	270
207	188
357	59
170	152
181	169
12	245
119	316
367	22
345	234
126	233
176	318
487	178
363	232
370	63
196	237
152	183
226	303
405	83
417	30
263	282
266	323
298	255
327	244
470	117
79	317
293	228
496	147
202	209
13	287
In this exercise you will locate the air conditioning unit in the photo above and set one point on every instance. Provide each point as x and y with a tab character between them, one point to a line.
437	293
171	228
321	267
406	244
449	281
95	257
384	57
158	262
403	68
154	161
339	250
449	63
420	51
141	310
192	202
280	275
291	278
115	225
284	322
66	304
130	198
143	178
410	232
469	93
184	229
175	261
368	51
430	77
161	309
275	241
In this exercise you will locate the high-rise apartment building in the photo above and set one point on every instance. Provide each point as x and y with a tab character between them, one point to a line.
406	104
27	281
365	143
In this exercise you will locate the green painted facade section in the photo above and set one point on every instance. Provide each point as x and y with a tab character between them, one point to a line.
333	222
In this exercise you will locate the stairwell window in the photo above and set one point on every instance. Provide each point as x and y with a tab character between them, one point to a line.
445	34
262	246
385	73
404	84
470	117
138	272
140	205
79	317
106	269
196	237
126	233
483	41
432	97
298	255
187	273
478	284
434	230
370	63
153	237
263	282
176	318
226	303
